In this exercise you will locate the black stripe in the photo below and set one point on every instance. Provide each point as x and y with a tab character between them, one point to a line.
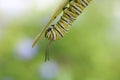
65	21
76	8
52	35
58	31
74	11
69	17
61	26
52	31
68	14
85	3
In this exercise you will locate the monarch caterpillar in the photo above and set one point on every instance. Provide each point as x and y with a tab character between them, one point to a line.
58	30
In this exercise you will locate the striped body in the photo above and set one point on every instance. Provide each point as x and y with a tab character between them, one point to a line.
57	31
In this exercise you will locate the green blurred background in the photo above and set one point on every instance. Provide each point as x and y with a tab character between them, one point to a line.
89	51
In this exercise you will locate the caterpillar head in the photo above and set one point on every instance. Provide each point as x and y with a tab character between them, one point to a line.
48	33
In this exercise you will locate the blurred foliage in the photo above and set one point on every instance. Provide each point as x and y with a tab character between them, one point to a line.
87	52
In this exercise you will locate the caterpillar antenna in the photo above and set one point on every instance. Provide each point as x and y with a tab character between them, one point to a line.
46	51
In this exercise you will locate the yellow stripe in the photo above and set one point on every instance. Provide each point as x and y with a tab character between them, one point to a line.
80	6
64	25
54	35
59	31
67	18
86	1
57	36
67	21
62	30
70	13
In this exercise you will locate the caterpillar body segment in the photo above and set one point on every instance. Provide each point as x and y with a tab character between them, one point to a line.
69	15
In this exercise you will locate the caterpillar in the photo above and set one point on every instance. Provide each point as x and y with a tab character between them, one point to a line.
69	15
